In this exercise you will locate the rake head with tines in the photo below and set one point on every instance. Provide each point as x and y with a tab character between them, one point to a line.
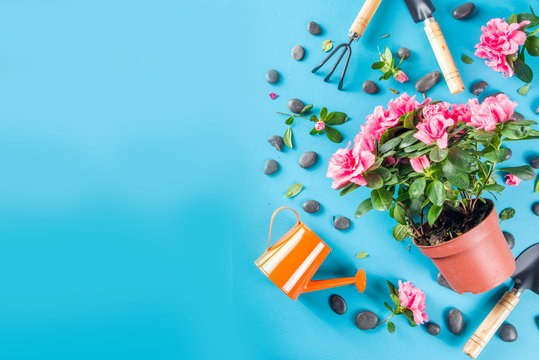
355	32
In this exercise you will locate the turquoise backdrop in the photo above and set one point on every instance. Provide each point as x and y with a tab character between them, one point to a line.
133	201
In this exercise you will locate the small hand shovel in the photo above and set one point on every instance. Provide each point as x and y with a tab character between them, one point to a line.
526	276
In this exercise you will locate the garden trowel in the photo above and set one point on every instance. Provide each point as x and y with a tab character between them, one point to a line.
526	276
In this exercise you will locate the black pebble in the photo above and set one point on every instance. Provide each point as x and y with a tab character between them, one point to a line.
307	160
517	116
311	206
341	223
276	141
463	11
427	81
509	154
403	53
442	281
508	333
272	76
455	321
295	105
510	239
313	28
535	208
370	87
479	87
337	303
433	328
297	52
535	162
271	167
366	320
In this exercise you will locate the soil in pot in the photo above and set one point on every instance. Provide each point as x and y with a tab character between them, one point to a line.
452	223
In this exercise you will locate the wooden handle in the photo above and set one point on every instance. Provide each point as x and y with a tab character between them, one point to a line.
363	18
443	55
490	325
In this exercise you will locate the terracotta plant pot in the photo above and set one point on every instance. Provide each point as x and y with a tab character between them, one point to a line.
476	261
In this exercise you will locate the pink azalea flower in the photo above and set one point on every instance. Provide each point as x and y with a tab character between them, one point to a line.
498	40
460	112
512	180
491	111
419	163
273	96
390	160
441	108
434	127
413	298
404	104
379	121
320	125
347	165
364	141
400	76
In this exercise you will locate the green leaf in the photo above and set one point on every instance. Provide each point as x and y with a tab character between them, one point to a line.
287	138
327	45
323	113
387	55
494	187
466	59
433	214
378	65
532	45
462	160
374	180
289	121
534	20
362	255
436	192
537	185
314	131
516	132
395	299
348	189
389	145
306	109
409	120
408	139
524	172
512	19
507	214
333	134
521	122
314	118
523	90
294	190
392	288
381	199
383	172
436	154
337	118
364	207
417	187
523	71
400	232
390	327
496	156
399	214
388	306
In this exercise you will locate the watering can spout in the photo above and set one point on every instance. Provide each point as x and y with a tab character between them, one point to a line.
360	280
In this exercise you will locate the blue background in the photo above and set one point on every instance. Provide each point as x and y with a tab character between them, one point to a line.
133	202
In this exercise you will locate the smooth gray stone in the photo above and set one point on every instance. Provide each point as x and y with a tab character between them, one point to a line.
370	87
537	110
295	105
535	208
509	154
341	223
517	116
508	333
535	162
366	320
297	52
403	53
271	167
337	303
272	76
455	321
311	206
463	11
307	160
510	239
313	28
427	81
442	281
479	87
433	328
276	141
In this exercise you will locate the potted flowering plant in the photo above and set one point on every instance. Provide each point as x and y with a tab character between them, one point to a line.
430	164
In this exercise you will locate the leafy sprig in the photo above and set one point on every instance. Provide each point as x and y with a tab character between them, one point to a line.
386	64
522	70
396	309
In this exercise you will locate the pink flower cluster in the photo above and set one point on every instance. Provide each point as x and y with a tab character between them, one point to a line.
347	165
413	298
498	40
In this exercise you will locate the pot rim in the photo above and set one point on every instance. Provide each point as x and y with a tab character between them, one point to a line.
459	238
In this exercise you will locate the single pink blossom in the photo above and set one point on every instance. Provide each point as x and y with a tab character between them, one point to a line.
413	298
498	40
434	127
320	125
404	104
441	108
347	165
400	76
364	141
493	110
460	113
512	180
273	96
419	163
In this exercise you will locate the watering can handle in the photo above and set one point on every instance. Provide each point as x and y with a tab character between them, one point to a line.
273	217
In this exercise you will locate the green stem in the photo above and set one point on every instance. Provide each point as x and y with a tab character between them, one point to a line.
381	322
294	115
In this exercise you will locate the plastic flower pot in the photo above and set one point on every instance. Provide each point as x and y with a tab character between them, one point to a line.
477	261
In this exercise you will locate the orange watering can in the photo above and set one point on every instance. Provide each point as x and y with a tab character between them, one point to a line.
292	261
